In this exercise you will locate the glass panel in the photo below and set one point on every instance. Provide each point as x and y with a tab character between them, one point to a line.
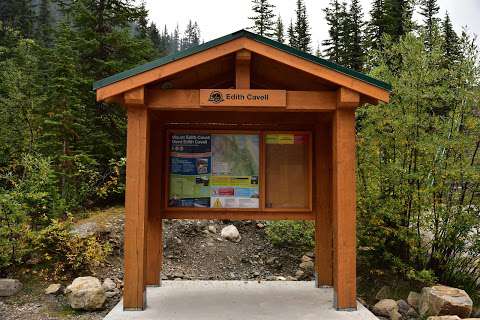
286	170
214	170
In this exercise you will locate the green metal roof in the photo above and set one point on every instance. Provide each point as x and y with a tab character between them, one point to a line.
239	34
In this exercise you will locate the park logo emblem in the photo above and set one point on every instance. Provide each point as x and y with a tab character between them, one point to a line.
216	97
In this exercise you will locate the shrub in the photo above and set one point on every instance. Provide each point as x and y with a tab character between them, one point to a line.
65	252
297	233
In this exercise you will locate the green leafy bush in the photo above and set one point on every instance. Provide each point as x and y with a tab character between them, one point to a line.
297	233
65	252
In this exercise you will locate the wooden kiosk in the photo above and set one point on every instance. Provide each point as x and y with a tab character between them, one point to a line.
241	127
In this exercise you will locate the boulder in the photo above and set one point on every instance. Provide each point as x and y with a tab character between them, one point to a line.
413	298
385	308
443	318
212	229
442	300
307	266
54	288
9	287
231	233
86	293
306	258
403	307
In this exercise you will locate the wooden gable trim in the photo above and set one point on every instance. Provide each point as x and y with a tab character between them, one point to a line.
338	78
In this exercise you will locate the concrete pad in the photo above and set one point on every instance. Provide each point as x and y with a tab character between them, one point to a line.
239	300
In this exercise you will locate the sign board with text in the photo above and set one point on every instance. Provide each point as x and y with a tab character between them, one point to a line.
243	98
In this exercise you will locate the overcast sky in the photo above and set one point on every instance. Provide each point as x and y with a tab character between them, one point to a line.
220	17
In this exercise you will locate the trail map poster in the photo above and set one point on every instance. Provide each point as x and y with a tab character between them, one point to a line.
214	170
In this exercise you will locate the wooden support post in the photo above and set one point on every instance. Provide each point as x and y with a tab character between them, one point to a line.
154	221
136	207
242	69
323	208
344	200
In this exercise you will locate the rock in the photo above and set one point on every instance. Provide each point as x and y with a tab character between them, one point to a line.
212	229
413	298
412	313
290	278
443	318
403	307
281	278
108	284
385	308
260	225
395	315
271	260
112	293
9	287
306	258
53	288
307	265
86	293
299	274
231	233
383	293
442	300
310	254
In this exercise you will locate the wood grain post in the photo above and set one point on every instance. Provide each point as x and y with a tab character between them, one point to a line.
136	207
154	221
323	207
344	200
242	69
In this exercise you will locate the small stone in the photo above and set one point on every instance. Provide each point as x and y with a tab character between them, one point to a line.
178	240
413	298
281	278
256	273
290	278
9	287
210	244
306	258
260	226
403	306
86	293
53	288
271	260
411	313
108	284
444	318
383	293
307	265
212	229
385	308
310	254
299	274
112	293
230	233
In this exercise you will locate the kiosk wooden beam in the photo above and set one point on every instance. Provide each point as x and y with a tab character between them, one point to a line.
242	69
323	208
344	201
154	220
136	207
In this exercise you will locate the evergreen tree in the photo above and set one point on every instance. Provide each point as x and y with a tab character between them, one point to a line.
174	44
191	36
44	26
17	15
335	15
429	10
450	41
353	37
292	37
376	26
279	32
263	23
302	28
142	21
154	36
398	17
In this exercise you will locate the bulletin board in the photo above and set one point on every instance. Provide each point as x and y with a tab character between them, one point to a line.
239	170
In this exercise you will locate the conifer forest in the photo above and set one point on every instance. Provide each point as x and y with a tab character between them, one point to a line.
418	157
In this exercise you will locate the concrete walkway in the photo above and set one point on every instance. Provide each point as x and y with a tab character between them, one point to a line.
239	300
